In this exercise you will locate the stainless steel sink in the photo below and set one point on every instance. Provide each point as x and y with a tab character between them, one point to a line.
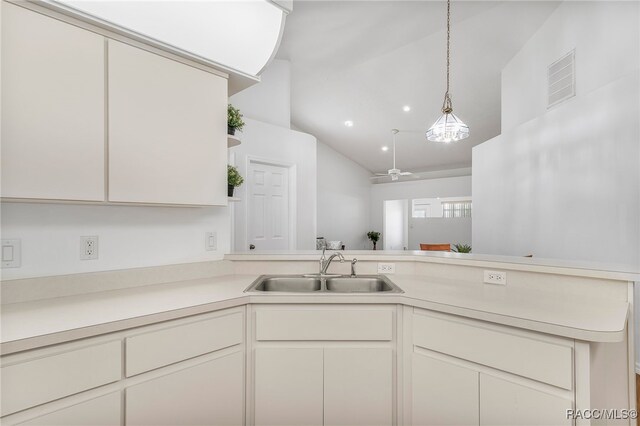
295	284
323	284
362	284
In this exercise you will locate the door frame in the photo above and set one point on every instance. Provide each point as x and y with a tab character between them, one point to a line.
292	202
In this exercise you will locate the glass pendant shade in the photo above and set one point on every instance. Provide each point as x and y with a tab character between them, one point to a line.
448	128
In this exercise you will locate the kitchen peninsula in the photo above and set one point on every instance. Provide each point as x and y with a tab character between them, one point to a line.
449	341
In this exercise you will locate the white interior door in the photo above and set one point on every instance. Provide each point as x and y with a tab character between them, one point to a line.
268	208
395	233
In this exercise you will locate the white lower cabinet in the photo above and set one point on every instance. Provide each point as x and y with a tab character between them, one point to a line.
183	372
507	403
456	379
308	366
358	386
330	386
443	393
288	386
102	411
210	393
323	365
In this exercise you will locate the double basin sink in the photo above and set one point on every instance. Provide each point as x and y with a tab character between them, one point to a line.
315	283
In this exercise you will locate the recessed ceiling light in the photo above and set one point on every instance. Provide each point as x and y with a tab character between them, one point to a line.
406	108
348	123
385	148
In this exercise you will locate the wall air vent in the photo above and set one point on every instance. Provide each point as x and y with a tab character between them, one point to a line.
561	79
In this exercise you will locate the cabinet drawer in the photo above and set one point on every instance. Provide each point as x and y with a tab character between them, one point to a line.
178	341
548	360
101	411
48	377
324	324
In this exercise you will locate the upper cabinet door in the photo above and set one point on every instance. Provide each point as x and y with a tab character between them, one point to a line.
53	97
167	130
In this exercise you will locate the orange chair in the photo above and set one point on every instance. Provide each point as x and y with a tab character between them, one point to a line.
435	247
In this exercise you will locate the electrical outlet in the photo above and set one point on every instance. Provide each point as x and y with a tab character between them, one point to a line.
210	241
495	277
89	247
386	268
11	256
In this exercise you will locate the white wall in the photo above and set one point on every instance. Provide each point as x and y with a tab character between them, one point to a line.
604	35
344	199
129	237
280	145
270	100
566	183
425	230
267	136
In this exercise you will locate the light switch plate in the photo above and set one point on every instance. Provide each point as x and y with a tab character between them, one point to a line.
11	253
211	241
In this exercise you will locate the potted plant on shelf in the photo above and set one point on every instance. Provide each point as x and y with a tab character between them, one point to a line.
374	237
462	248
234	178
234	120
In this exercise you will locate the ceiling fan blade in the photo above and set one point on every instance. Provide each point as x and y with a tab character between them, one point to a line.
405	173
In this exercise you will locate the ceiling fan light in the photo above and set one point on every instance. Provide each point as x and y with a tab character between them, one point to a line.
448	128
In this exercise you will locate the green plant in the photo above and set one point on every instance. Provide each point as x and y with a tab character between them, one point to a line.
373	236
233	176
462	248
234	118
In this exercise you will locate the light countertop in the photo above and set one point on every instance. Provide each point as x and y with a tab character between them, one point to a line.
34	324
576	268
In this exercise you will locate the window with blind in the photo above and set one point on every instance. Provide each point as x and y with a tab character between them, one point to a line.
421	209
453	209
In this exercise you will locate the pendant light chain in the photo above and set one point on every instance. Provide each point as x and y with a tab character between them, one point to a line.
446	105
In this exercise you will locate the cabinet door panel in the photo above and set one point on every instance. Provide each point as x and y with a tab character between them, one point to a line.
358	386
167	130
101	411
288	386
53	104
443	393
512	404
207	394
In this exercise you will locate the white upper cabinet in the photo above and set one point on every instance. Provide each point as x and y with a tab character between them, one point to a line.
167	130
53	108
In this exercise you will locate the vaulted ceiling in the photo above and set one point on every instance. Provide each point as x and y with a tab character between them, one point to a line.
364	60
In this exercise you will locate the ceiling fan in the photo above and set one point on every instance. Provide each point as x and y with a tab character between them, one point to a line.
394	172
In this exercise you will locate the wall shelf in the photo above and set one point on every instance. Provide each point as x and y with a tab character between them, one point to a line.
233	141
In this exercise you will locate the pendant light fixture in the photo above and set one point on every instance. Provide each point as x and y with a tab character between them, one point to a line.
448	128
